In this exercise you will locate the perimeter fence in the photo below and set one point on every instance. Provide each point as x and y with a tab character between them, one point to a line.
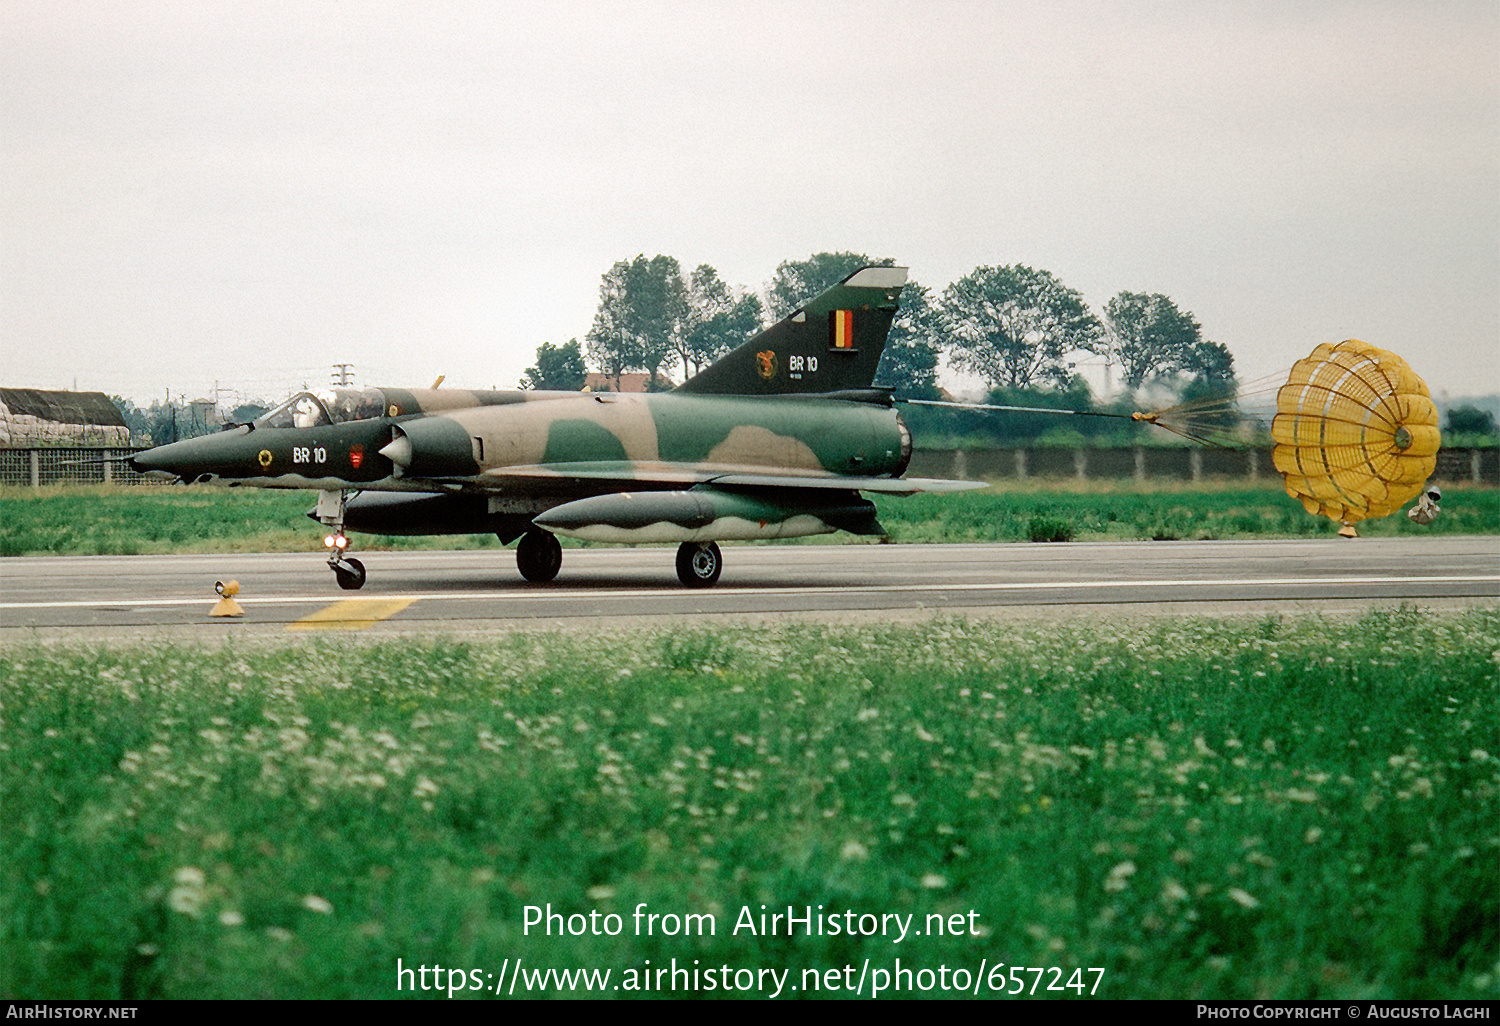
1154	463
50	465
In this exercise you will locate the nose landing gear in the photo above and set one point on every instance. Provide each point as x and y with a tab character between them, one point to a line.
347	571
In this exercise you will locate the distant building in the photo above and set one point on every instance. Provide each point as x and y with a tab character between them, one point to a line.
30	416
628	383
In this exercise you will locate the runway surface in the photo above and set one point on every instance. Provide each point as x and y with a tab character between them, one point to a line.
475	591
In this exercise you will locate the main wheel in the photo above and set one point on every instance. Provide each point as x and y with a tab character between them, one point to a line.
699	564
539	556
350	573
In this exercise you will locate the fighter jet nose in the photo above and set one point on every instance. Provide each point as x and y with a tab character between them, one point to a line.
155	463
173	461
228	455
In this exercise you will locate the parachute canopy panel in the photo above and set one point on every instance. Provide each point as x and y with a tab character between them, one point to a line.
1356	432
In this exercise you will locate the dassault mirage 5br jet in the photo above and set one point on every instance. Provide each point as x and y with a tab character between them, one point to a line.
777	439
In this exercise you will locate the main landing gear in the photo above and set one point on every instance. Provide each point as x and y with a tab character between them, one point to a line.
347	571
699	564
538	556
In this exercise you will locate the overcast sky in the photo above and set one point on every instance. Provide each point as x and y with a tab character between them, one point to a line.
248	193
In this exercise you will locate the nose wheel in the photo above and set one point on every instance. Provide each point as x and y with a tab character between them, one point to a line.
349	572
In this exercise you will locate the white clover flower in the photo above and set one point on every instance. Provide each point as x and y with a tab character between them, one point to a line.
1243	898
934	881
189	876
1119	877
313	903
853	851
187	900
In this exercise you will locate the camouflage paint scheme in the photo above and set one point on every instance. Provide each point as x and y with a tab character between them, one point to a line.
776	439
496	436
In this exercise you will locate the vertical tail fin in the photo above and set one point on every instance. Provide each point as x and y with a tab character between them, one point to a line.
831	344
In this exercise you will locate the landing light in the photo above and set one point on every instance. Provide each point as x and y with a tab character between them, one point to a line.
336	541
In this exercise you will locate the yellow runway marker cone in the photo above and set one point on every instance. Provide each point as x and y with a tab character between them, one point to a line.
227	606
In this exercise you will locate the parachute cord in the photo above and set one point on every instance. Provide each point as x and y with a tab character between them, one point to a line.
1209	435
1215	422
1020	409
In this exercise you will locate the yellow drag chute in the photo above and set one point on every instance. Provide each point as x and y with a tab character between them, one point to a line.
1356	433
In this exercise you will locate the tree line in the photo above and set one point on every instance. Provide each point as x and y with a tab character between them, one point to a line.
1012	326
1015	327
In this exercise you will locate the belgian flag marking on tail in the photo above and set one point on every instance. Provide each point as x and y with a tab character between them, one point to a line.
841	330
849	322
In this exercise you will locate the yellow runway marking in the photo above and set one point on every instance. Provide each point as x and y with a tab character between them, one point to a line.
351	614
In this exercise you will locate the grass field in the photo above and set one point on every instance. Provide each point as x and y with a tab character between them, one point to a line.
101	520
1283	807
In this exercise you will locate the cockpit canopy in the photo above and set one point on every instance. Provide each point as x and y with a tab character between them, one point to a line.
331	406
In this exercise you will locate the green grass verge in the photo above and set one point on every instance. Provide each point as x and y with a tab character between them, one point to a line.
1163	513
134	521
1279	808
